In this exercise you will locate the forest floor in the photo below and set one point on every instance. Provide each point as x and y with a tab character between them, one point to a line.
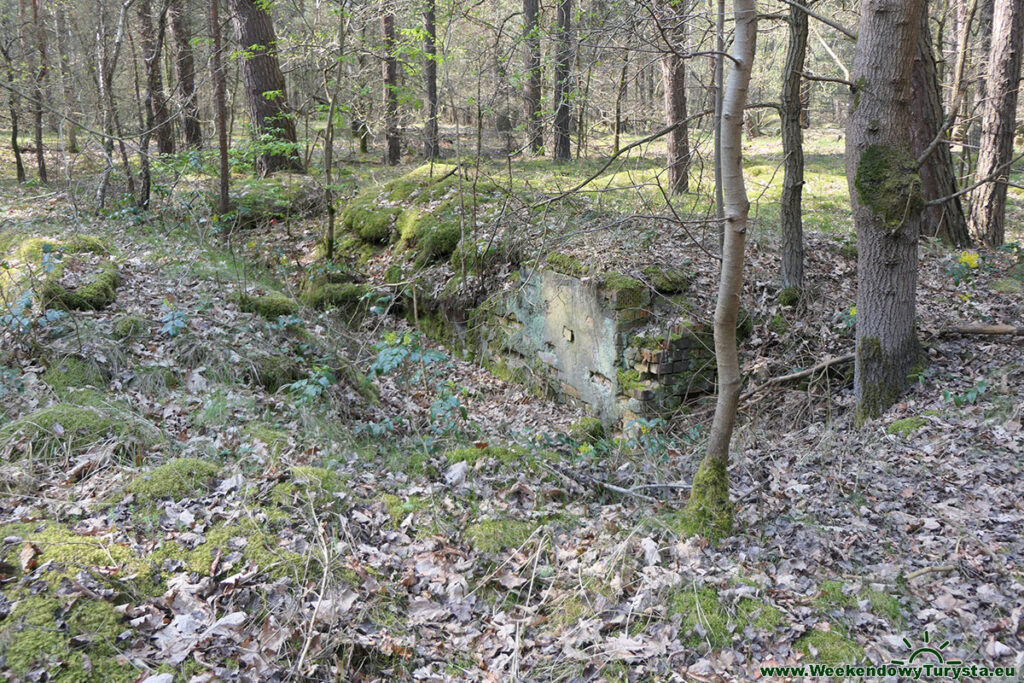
195	491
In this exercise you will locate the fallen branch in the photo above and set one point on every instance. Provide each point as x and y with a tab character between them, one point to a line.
984	329
944	569
827	363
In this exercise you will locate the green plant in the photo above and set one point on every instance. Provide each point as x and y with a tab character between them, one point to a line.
173	322
312	388
968	397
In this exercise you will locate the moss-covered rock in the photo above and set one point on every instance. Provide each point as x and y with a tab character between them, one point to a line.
94	295
73	373
271	306
64	429
366	217
130	327
175	480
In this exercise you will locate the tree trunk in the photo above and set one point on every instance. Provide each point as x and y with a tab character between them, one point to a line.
431	145
106	64
986	9
14	101
152	49
220	109
790	206
709	508
264	84
945	221
563	88
719	90
805	103
154	104
532	84
184	63
33	53
620	97
998	121
885	191
673	76
67	80
392	138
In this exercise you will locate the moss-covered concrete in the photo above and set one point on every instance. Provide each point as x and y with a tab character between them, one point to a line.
96	294
667	280
271	306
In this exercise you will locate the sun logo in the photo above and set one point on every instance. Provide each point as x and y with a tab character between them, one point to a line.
926	649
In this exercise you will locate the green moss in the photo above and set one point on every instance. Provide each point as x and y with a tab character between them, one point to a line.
623	291
398	509
130	326
567	265
270	307
758	614
30	641
256	545
885	605
790	296
778	324
700	607
888	183
271	437
831	595
906	426
96	294
876	397
346	296
629	381
1007	286
273	372
73	373
64	429
587	430
709	511
493	536
310	485
437	242
176	479
829	647
31	250
668	280
365	217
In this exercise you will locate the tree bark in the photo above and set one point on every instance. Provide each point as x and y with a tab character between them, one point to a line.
392	138
673	76
532	84
184	63
14	102
998	121
620	97
719	86
431	144
264	85
35	59
709	507
945	221
885	191
790	206
562	92
220	109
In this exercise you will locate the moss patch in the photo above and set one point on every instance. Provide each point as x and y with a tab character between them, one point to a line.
888	183
667	280
567	265
709	511
73	373
587	430
32	249
63	429
176	479
906	426
493	536
271	306
273	372
130	327
347	296
790	296
1008	286
246	536
829	647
